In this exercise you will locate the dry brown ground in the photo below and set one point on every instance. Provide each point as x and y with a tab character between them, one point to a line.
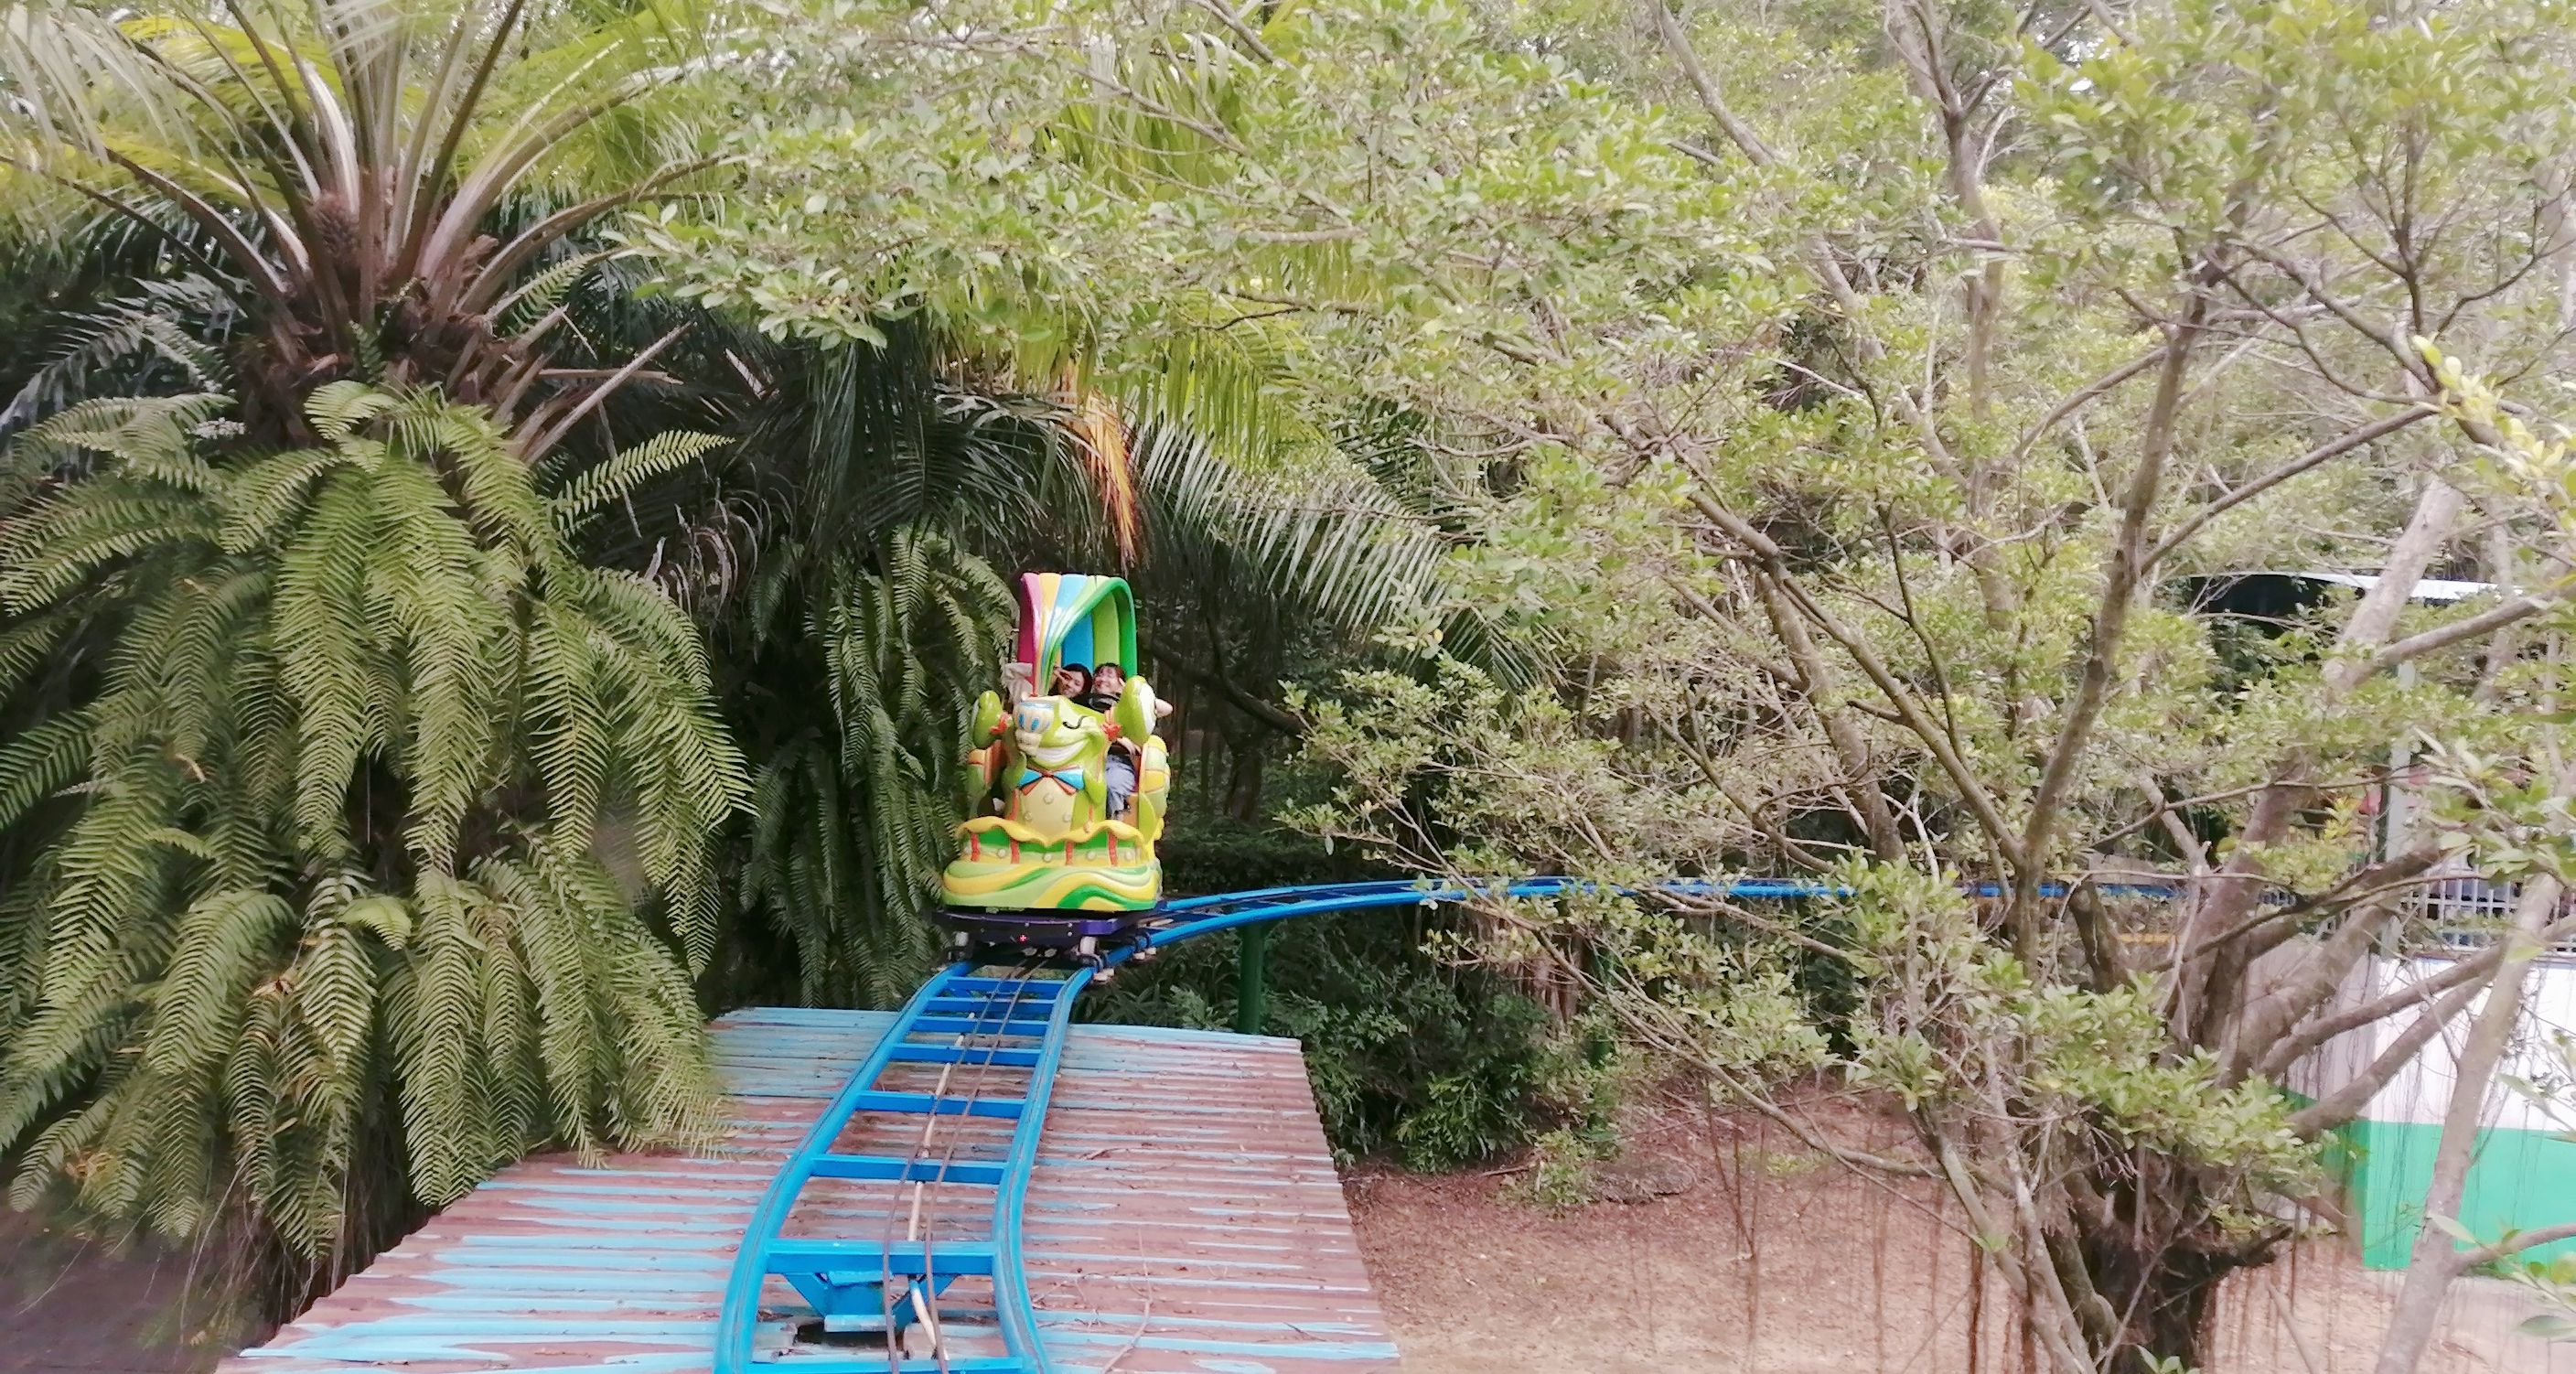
73	1307
1843	1276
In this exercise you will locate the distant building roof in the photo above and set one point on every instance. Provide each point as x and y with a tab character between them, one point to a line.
2278	595
2434	589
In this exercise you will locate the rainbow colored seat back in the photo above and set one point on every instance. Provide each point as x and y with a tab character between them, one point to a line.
1075	618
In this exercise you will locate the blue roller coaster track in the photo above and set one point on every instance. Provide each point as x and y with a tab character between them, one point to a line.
995	1043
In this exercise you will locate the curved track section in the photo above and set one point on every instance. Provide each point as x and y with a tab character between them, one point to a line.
992	1043
1193	916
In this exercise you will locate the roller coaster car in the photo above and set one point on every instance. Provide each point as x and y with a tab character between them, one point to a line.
1044	867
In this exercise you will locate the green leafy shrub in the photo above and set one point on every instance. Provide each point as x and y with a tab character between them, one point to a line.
1438	1065
1442	1066
1560	1172
1204	850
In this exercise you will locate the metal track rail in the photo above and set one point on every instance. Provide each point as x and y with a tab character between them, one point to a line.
1227	910
838	1275
1194	916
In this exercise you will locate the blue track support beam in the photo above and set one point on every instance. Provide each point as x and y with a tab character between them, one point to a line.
983	1173
968	1006
968	1054
879	1364
909	1258
1040	994
964	1025
1007	1109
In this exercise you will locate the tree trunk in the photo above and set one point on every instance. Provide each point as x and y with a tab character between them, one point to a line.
2172	1295
2209	1000
2435	1262
2151	1253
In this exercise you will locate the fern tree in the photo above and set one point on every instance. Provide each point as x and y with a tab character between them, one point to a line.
354	827
857	809
382	817
859	625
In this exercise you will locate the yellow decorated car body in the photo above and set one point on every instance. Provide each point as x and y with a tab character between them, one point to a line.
1038	836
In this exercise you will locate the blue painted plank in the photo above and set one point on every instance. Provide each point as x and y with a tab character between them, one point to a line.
1005	1108
796	1255
985	1172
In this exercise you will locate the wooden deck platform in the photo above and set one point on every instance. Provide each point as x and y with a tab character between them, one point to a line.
1184	1218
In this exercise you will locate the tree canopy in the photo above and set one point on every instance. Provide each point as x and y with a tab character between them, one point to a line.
1850	407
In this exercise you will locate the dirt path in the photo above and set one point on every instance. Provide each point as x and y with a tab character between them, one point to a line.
1846	1277
70	1306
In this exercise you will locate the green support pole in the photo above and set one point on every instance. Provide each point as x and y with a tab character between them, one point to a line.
1251	987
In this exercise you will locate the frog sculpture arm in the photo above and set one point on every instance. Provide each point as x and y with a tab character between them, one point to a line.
1134	718
987	753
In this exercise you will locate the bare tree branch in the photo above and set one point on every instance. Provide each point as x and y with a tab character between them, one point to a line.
2125	569
2305	462
2442	637
2081	397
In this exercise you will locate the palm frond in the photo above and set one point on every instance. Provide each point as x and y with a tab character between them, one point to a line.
1334	540
178	325
630	468
339	169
